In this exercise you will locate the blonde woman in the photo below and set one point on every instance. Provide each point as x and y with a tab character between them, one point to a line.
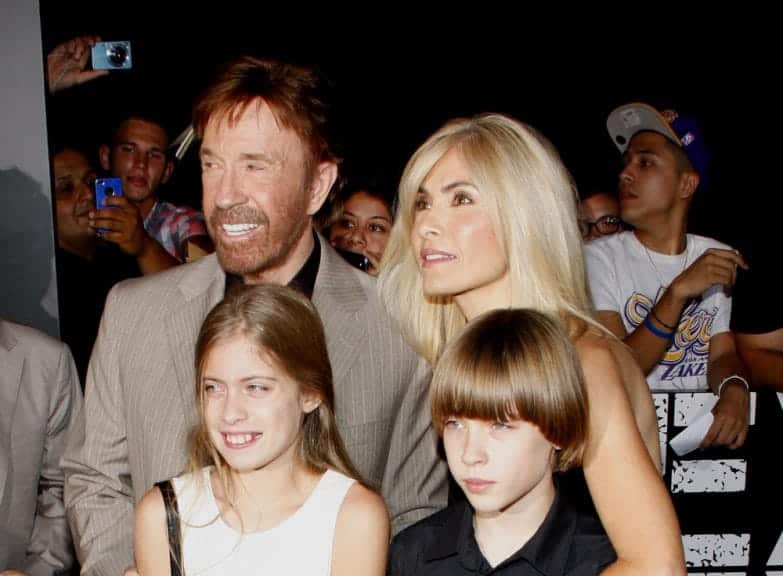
487	219
270	489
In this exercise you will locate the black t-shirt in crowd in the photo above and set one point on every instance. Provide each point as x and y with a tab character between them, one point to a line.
755	308
82	289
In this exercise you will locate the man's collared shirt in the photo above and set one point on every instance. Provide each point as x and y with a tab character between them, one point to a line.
566	544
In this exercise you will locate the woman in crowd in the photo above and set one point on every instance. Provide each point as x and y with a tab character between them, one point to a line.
359	222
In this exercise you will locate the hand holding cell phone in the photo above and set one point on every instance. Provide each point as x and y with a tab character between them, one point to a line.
106	188
116	219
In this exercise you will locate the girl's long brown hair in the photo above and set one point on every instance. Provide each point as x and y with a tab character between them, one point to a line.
284	326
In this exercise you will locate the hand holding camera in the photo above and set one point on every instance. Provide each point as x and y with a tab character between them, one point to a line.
66	64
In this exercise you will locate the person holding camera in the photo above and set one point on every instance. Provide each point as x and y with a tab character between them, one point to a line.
66	64
87	268
158	234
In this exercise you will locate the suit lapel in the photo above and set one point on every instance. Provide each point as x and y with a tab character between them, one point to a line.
337	295
339	298
11	366
200	289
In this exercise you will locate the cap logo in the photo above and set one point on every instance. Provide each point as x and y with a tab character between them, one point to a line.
630	118
687	138
670	115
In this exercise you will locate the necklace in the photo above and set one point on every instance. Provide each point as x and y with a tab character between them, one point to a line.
234	503
663	285
255	503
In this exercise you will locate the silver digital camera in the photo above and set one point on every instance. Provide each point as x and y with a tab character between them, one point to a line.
112	55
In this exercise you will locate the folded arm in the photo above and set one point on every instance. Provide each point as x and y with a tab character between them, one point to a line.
652	338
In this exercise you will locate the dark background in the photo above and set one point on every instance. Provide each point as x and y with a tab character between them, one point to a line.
399	78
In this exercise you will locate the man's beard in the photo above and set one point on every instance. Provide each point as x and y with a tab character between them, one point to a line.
268	248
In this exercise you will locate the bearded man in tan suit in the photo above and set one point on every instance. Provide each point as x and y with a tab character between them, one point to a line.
267	167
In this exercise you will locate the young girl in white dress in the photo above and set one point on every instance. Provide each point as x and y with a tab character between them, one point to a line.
270	489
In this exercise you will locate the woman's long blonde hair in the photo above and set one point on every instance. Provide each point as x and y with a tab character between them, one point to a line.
533	205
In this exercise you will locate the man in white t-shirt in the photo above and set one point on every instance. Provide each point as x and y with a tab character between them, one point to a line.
661	290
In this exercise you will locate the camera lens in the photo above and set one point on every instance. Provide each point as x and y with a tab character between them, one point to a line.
109	191
117	55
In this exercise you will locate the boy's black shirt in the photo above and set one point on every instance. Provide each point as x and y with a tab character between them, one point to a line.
567	543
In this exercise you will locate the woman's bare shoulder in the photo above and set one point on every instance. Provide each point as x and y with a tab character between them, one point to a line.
599	347
597	350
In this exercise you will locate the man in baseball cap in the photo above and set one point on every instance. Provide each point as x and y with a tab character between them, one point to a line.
662	290
683	131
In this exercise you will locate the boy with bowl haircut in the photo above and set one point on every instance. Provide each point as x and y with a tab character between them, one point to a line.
509	401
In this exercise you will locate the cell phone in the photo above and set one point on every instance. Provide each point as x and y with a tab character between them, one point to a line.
104	188
355	259
114	55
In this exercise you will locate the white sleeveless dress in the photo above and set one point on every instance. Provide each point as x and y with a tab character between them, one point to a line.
300	545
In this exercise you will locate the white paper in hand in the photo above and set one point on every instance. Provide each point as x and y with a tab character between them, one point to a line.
689	439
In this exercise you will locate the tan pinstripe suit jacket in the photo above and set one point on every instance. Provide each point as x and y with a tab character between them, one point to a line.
39	396
140	401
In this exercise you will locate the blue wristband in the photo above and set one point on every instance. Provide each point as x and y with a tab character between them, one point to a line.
657	331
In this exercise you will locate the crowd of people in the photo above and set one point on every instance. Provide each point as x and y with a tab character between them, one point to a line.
319	376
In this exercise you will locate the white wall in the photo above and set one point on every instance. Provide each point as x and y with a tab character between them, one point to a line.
27	281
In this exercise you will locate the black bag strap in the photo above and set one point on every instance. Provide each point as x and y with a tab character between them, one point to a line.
172	523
